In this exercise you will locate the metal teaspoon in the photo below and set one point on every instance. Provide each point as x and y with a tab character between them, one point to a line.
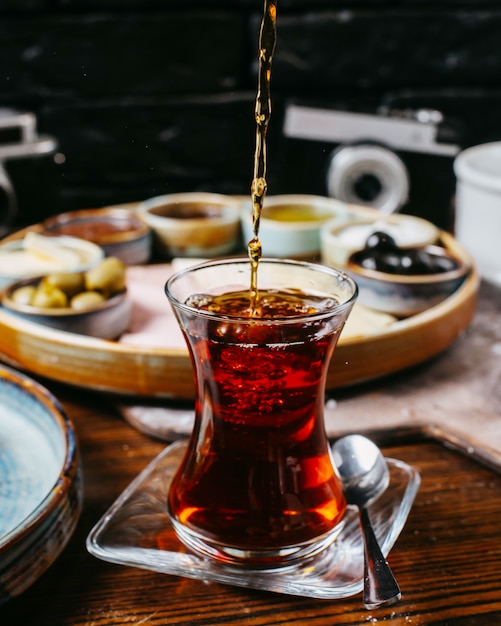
365	476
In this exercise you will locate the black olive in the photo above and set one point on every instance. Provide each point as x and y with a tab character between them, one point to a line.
391	263
420	263
406	264
442	264
369	262
381	241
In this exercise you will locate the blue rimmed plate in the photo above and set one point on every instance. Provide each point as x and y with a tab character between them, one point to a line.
40	481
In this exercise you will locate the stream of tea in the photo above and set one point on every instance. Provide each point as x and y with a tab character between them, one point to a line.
257	485
266	47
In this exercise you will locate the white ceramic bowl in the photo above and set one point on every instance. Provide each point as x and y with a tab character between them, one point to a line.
290	224
339	240
193	224
41	487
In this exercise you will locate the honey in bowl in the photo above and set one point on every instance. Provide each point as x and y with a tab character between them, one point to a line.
290	224
297	213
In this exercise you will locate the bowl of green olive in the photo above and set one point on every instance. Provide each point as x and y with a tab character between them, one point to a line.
93	303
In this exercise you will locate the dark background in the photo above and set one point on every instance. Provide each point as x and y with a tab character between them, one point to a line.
147	97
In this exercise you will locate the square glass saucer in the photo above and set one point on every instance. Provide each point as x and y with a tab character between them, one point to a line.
136	531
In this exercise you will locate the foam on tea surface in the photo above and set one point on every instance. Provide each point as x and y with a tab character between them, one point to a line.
269	304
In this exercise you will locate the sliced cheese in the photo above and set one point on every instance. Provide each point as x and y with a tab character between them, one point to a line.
363	321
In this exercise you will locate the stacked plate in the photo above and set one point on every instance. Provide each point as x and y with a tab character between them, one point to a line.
40	481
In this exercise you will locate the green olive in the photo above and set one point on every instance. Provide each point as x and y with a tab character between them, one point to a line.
49	298
108	276
70	283
24	295
86	300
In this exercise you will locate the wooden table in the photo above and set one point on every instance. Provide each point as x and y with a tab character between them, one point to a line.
447	559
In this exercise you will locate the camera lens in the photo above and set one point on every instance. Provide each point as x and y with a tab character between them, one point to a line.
367	187
368	174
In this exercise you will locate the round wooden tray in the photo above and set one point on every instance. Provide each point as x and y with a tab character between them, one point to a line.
166	373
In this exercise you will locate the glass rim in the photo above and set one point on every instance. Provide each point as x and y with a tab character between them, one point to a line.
317	267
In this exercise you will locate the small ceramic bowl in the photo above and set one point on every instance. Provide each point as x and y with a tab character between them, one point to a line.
405	295
106	320
193	224
41	487
290	224
36	254
119	231
340	239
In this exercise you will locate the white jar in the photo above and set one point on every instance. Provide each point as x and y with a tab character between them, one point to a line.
478	207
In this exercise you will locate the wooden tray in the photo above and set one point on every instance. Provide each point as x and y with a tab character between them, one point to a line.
166	373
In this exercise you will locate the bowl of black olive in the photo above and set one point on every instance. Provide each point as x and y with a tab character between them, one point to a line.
402	281
94	303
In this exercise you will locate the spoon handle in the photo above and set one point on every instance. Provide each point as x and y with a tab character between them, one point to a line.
380	586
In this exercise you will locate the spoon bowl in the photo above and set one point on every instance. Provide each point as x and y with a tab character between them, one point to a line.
362	469
365	476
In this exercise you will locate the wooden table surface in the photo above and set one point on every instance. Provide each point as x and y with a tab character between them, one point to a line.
447	559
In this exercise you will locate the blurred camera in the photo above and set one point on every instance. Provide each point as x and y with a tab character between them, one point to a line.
28	166
392	160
